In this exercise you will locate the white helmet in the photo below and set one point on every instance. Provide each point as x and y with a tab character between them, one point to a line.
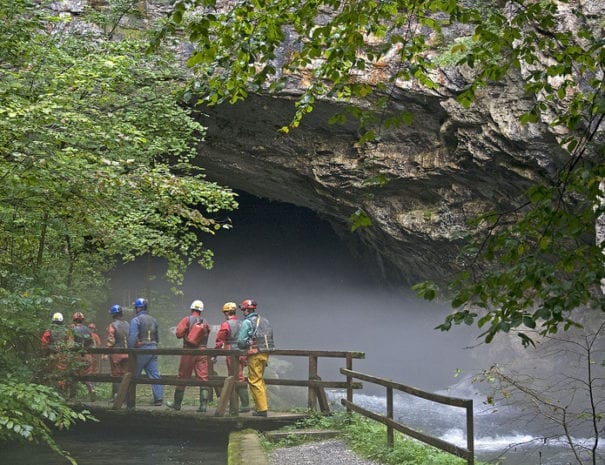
197	305
57	317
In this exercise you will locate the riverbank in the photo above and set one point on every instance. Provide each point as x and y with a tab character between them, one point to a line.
245	449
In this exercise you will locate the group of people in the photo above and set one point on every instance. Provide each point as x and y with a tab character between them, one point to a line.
56	339
253	336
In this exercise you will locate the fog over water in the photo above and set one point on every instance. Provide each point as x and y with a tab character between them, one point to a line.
318	296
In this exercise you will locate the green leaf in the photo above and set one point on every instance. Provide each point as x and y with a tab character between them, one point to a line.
359	219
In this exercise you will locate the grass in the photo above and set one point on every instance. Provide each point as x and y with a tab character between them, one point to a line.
368	439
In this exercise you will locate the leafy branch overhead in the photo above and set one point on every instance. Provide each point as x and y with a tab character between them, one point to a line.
96	152
528	267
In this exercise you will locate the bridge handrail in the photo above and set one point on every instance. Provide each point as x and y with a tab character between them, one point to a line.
465	453
315	385
219	352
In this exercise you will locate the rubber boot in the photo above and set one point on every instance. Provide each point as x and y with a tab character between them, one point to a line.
178	400
244	400
204	394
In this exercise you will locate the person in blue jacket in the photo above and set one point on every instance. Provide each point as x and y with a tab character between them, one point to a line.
143	334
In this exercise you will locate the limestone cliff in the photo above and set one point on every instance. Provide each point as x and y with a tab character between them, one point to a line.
444	168
447	166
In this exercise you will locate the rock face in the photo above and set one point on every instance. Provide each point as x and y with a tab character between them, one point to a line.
446	167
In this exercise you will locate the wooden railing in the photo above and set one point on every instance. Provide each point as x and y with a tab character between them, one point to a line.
465	453
228	399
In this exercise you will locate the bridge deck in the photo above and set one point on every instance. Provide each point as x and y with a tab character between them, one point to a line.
188	418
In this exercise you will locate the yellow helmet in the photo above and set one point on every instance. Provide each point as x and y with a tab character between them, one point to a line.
229	307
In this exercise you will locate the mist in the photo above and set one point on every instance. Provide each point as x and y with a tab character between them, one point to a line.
318	296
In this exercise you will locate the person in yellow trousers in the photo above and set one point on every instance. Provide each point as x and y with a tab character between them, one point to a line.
256	339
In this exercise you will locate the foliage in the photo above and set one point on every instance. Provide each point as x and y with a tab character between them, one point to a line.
95	163
28	412
526	267
96	151
258	46
538	267
530	267
368	438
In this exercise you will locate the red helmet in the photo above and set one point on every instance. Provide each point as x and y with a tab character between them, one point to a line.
248	304
78	317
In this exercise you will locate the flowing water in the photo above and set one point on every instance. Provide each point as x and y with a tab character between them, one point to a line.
504	436
317	296
102	447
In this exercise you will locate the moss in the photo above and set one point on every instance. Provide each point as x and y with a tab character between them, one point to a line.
239	451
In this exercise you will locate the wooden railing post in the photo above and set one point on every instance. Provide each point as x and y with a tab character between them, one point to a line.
234	404
470	432
389	416
349	366
311	393
131	397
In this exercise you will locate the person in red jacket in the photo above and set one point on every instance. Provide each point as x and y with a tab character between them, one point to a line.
55	341
117	337
194	331
226	338
83	363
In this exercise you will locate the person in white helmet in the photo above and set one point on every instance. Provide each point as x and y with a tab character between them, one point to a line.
55	341
194	331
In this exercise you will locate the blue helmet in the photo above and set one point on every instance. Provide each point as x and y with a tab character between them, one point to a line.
115	309
140	303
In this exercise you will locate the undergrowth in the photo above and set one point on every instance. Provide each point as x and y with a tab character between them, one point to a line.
368	439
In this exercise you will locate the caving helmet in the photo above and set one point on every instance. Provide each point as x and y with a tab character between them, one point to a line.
115	309
78	317
248	304
57	317
197	305
229	307
140	304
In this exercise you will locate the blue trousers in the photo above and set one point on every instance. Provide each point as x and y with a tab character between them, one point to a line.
149	363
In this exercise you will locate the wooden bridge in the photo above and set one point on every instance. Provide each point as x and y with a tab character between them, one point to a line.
228	401
224	386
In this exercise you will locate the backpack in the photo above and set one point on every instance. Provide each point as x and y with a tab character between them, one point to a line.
82	336
198	332
263	335
261	339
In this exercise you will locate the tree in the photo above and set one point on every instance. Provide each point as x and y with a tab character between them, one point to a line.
524	268
565	390
96	152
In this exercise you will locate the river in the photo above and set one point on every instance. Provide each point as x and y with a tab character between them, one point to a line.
99	446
